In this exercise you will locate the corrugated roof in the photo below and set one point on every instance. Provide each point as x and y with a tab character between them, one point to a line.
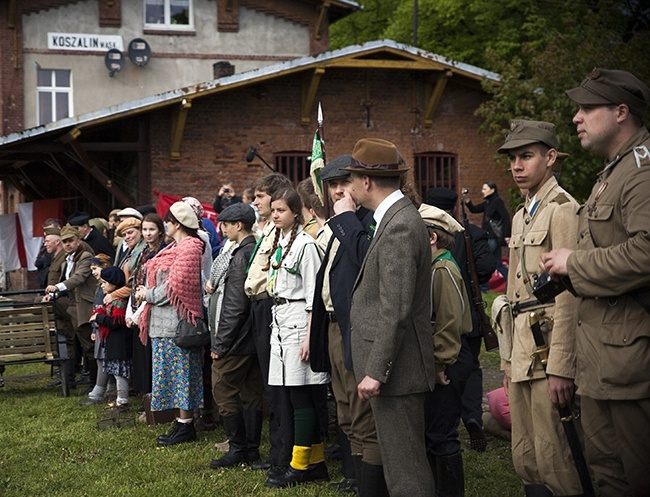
245	78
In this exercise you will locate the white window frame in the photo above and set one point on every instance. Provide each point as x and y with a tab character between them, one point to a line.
52	89
167	24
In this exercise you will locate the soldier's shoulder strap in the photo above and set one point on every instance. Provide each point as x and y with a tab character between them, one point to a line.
641	155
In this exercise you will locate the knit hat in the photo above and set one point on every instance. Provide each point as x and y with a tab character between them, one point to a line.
185	215
129	222
101	260
113	275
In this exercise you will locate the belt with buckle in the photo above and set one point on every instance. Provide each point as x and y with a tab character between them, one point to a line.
282	300
260	296
331	317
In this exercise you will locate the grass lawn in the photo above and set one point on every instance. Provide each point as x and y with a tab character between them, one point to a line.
51	446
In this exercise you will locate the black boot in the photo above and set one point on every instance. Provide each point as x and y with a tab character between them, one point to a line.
182	432
373	483
537	491
165	437
478	442
451	477
253	420
289	478
236	433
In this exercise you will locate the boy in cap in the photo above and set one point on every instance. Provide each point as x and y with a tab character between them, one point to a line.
547	220
392	350
91	235
484	266
330	349
609	271
237	383
451	321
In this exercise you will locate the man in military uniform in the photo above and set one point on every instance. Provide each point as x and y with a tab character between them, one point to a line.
609	271
540	451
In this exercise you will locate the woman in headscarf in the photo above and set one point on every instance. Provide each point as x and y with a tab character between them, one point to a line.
173	292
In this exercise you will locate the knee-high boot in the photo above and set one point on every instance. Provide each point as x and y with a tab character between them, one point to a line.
450	481
373	483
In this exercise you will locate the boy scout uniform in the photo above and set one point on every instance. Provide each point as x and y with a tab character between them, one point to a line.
540	450
610	271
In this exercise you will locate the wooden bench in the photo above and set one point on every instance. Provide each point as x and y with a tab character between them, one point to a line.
28	334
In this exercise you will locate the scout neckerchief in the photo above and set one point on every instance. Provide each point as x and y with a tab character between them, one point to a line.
273	276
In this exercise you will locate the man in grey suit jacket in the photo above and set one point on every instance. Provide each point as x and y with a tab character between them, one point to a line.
392	346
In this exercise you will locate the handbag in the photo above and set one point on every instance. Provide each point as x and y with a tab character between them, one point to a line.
189	336
496	225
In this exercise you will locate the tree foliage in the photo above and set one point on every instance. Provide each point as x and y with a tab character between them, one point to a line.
540	48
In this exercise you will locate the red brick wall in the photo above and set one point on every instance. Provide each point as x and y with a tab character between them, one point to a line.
220	129
11	72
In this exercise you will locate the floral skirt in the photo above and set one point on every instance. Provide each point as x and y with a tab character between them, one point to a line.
117	367
177	376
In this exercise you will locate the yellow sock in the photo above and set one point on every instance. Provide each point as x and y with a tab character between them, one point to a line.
300	457
317	453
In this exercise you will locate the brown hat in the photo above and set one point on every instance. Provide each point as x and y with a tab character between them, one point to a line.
51	230
524	132
68	232
376	157
437	218
185	215
612	87
129	222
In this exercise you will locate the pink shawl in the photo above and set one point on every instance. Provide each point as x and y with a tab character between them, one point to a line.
183	284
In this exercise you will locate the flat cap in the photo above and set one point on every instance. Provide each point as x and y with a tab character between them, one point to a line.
146	209
185	215
238	212
441	197
130	212
79	219
376	157
333	170
612	87
68	232
437	218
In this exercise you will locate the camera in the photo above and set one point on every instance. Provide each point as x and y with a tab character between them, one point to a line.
465	191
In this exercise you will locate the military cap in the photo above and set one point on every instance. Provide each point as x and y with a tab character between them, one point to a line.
523	132
51	230
612	87
113	275
238	212
333	170
130	212
99	223
442	198
68	232
79	219
376	157
437	218
185	215
129	222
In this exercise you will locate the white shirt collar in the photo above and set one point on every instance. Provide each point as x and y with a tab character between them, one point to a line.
385	205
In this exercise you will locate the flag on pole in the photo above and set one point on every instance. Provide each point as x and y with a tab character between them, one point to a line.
317	163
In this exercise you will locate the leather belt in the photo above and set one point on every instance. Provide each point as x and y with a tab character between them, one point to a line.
282	300
260	296
331	317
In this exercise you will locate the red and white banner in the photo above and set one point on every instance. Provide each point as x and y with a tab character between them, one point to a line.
165	202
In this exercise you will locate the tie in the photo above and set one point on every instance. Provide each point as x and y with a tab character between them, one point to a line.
371	229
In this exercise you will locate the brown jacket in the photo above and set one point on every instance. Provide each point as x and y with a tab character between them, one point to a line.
82	286
553	225
611	263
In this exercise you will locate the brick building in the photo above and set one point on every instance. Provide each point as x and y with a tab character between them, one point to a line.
191	140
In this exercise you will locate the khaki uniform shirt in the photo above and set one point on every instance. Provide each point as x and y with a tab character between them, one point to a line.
451	307
256	280
553	225
610	265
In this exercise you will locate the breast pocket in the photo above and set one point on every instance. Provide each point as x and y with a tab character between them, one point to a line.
599	224
534	241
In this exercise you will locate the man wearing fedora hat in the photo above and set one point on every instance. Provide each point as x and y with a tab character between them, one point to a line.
546	220
392	349
609	271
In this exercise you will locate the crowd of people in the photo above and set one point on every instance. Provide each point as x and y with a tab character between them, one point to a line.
377	302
